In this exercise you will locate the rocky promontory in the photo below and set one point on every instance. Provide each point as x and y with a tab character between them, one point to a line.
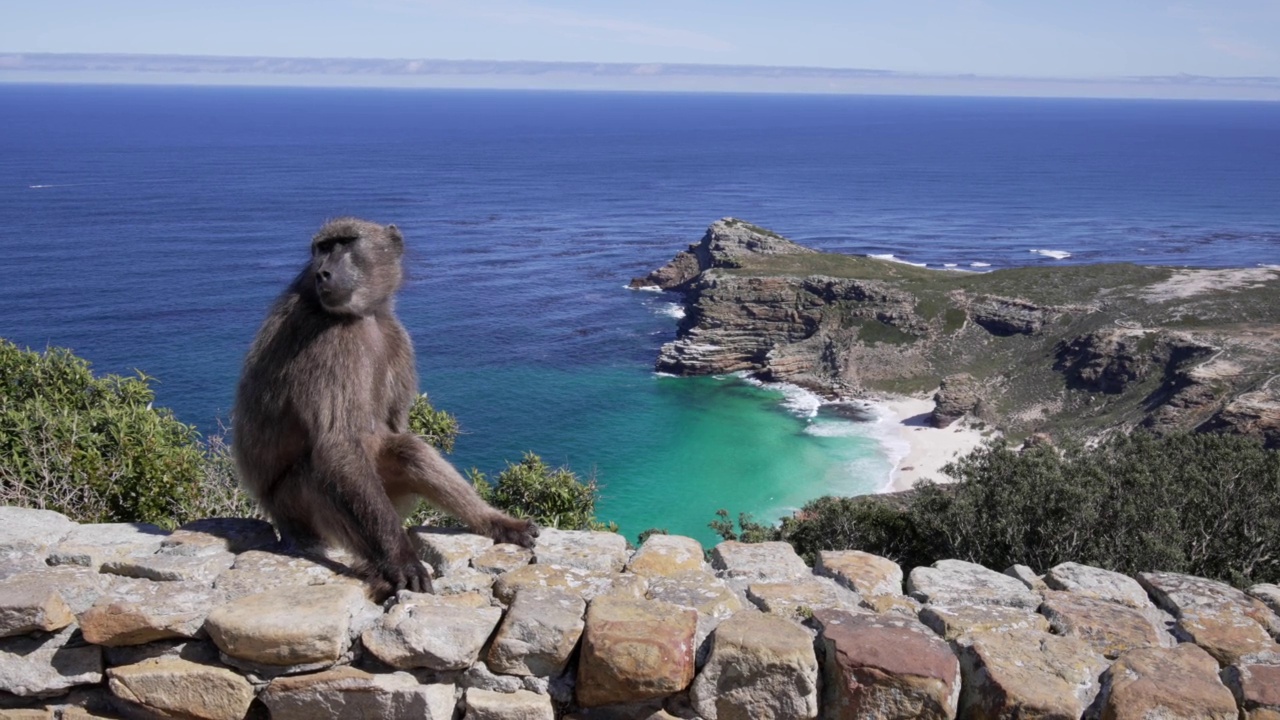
218	621
1062	350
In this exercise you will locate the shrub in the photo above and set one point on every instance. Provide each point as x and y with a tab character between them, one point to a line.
93	448
552	497
1206	505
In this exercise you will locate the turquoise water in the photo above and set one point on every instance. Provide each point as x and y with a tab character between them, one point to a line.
151	227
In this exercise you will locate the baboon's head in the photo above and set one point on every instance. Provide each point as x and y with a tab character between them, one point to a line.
355	265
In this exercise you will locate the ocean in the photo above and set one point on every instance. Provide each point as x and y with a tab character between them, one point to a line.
149	228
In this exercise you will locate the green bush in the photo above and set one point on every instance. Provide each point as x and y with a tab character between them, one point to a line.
552	497
93	448
1206	504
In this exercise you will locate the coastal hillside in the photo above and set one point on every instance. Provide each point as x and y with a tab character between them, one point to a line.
1064	350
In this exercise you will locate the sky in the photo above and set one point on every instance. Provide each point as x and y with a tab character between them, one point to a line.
1025	38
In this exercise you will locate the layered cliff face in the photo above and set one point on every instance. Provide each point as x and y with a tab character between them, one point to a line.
1064	350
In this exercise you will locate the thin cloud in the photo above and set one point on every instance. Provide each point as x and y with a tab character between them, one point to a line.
1236	47
621	29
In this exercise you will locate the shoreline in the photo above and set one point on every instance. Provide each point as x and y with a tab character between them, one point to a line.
927	448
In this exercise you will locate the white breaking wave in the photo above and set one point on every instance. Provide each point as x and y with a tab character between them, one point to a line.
979	264
949	265
37	187
1055	254
797	400
644	288
675	310
892	258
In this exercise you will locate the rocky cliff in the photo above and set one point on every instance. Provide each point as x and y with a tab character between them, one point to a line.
1063	350
217	621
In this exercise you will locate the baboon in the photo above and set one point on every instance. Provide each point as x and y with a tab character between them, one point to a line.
322	410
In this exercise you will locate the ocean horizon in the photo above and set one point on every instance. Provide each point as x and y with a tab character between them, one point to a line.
151	227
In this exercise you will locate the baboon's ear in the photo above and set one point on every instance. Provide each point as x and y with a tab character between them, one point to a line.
393	232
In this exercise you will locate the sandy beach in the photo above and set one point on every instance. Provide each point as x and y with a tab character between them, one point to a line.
929	448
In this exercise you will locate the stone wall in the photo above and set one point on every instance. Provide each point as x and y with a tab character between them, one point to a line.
215	621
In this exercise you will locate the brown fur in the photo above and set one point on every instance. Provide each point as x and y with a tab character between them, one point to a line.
321	418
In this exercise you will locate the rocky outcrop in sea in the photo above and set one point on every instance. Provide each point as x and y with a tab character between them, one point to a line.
215	620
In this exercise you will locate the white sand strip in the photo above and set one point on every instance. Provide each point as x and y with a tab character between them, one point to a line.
930	447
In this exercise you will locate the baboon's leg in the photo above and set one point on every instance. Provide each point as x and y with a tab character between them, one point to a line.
330	496
409	465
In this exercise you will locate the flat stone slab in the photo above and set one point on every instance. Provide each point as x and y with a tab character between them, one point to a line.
799	599
1025	673
39	666
866	574
1026	576
448	549
1231	625
235	535
578	581
255	571
502	558
635	650
1097	583
666	555
288	627
93	544
79	587
761	667
1268	593
1179	683
345	692
31	532
952	622
1256	689
1109	627
172	687
538	634
702	592
761	562
28	605
519	705
956	582
463	580
187	562
134	612
417	634
881	666
584	549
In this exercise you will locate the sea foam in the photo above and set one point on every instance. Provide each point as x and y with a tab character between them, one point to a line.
1055	254
893	258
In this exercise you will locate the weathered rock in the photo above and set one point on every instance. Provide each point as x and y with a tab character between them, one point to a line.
882	667
703	592
1229	624
93	544
1027	577
956	582
235	535
193	563
141	611
1025	673
539	633
28	714
288	630
724	242
502	558
202	652
519	705
864	573
761	667
28	605
583	549
447	549
1256	689
763	562
48	665
420	635
345	692
31	532
583	583
800	598
957	396
463	580
175	688
1097	583
953	621
666	555
634	651
1005	316
79	587
256	571
1269	594
1179	683
627	587
1109	627
893	604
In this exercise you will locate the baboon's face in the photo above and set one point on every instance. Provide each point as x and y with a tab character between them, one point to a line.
356	266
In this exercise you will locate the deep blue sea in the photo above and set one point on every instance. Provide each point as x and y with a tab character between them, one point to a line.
149	228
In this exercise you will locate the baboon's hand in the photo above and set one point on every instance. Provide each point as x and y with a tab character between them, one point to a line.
514	530
405	573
